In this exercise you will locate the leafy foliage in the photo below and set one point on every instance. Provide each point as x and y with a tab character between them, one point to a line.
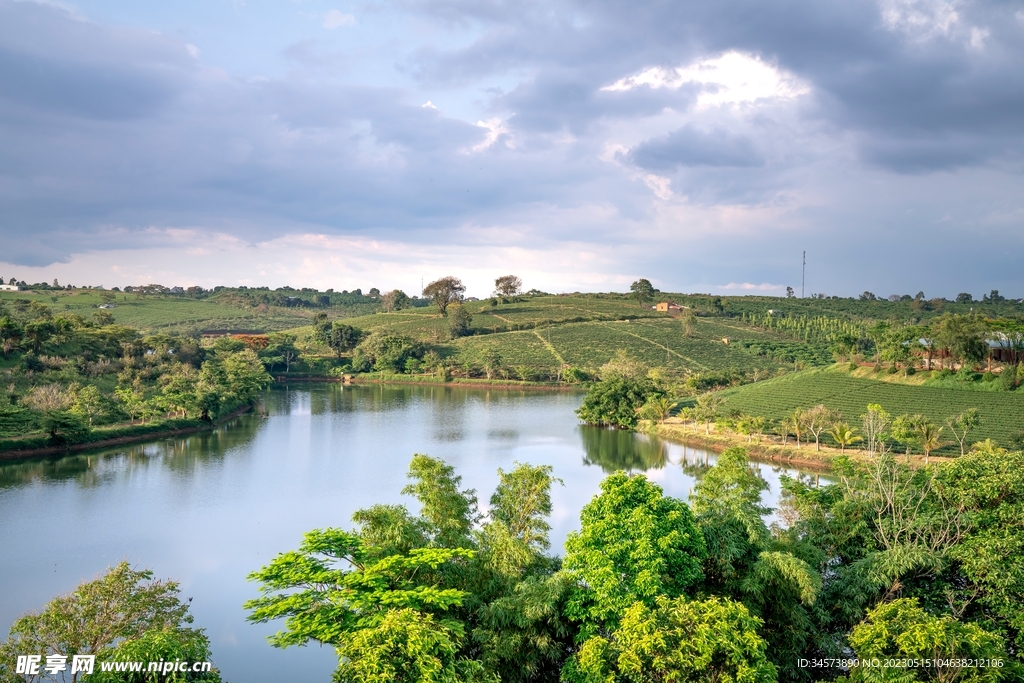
634	544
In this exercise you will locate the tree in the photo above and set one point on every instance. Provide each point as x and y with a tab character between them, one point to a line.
706	409
634	545
961	337
120	611
796	422
65	428
657	408
964	298
445	292
688	319
321	327
642	290
962	424
900	630
615	401
343	338
677	640
88	402
875	423
844	435
281	350
388	352
818	419
930	438
448	513
459	321
395	300
508	285
790	293
10	334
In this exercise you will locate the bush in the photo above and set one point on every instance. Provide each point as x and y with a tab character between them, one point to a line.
65	428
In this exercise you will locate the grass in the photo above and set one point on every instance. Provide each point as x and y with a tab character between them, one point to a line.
539	335
1002	412
155	313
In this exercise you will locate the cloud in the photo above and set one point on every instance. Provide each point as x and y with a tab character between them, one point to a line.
731	78
336	19
689	146
677	141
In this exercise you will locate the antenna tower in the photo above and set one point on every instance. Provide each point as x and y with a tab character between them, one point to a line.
803	275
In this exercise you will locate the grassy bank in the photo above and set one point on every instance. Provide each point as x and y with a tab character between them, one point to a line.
767	447
34	445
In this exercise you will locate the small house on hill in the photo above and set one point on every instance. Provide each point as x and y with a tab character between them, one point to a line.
668	306
9	288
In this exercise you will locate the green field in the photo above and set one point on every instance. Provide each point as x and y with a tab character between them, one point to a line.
1002	412
152	313
546	333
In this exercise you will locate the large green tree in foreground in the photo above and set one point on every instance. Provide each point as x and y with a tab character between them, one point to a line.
124	615
887	562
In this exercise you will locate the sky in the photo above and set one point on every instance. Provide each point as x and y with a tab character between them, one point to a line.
580	144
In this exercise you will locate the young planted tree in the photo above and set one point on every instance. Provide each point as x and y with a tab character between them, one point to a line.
875	424
818	419
962	424
844	435
445	292
930	438
706	409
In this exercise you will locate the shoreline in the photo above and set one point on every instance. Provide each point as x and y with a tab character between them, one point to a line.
33	453
356	380
769	451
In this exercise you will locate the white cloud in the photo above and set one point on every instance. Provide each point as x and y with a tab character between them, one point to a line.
920	18
978	37
336	19
495	129
662	187
731	78
428	105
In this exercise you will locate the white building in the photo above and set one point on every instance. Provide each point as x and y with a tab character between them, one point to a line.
9	288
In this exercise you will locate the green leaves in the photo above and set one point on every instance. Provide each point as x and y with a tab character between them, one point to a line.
326	603
615	401
901	630
677	640
635	544
125	608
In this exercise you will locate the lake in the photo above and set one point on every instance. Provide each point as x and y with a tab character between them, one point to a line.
207	509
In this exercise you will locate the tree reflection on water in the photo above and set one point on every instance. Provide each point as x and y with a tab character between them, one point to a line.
614	449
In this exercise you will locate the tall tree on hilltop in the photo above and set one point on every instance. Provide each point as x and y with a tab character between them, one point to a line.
444	292
508	285
642	290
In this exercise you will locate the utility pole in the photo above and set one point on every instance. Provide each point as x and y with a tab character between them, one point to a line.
803	276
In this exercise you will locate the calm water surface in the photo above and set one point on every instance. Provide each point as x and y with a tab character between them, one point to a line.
208	509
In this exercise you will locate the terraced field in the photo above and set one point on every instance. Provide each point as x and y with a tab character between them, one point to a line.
658	342
1002	412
